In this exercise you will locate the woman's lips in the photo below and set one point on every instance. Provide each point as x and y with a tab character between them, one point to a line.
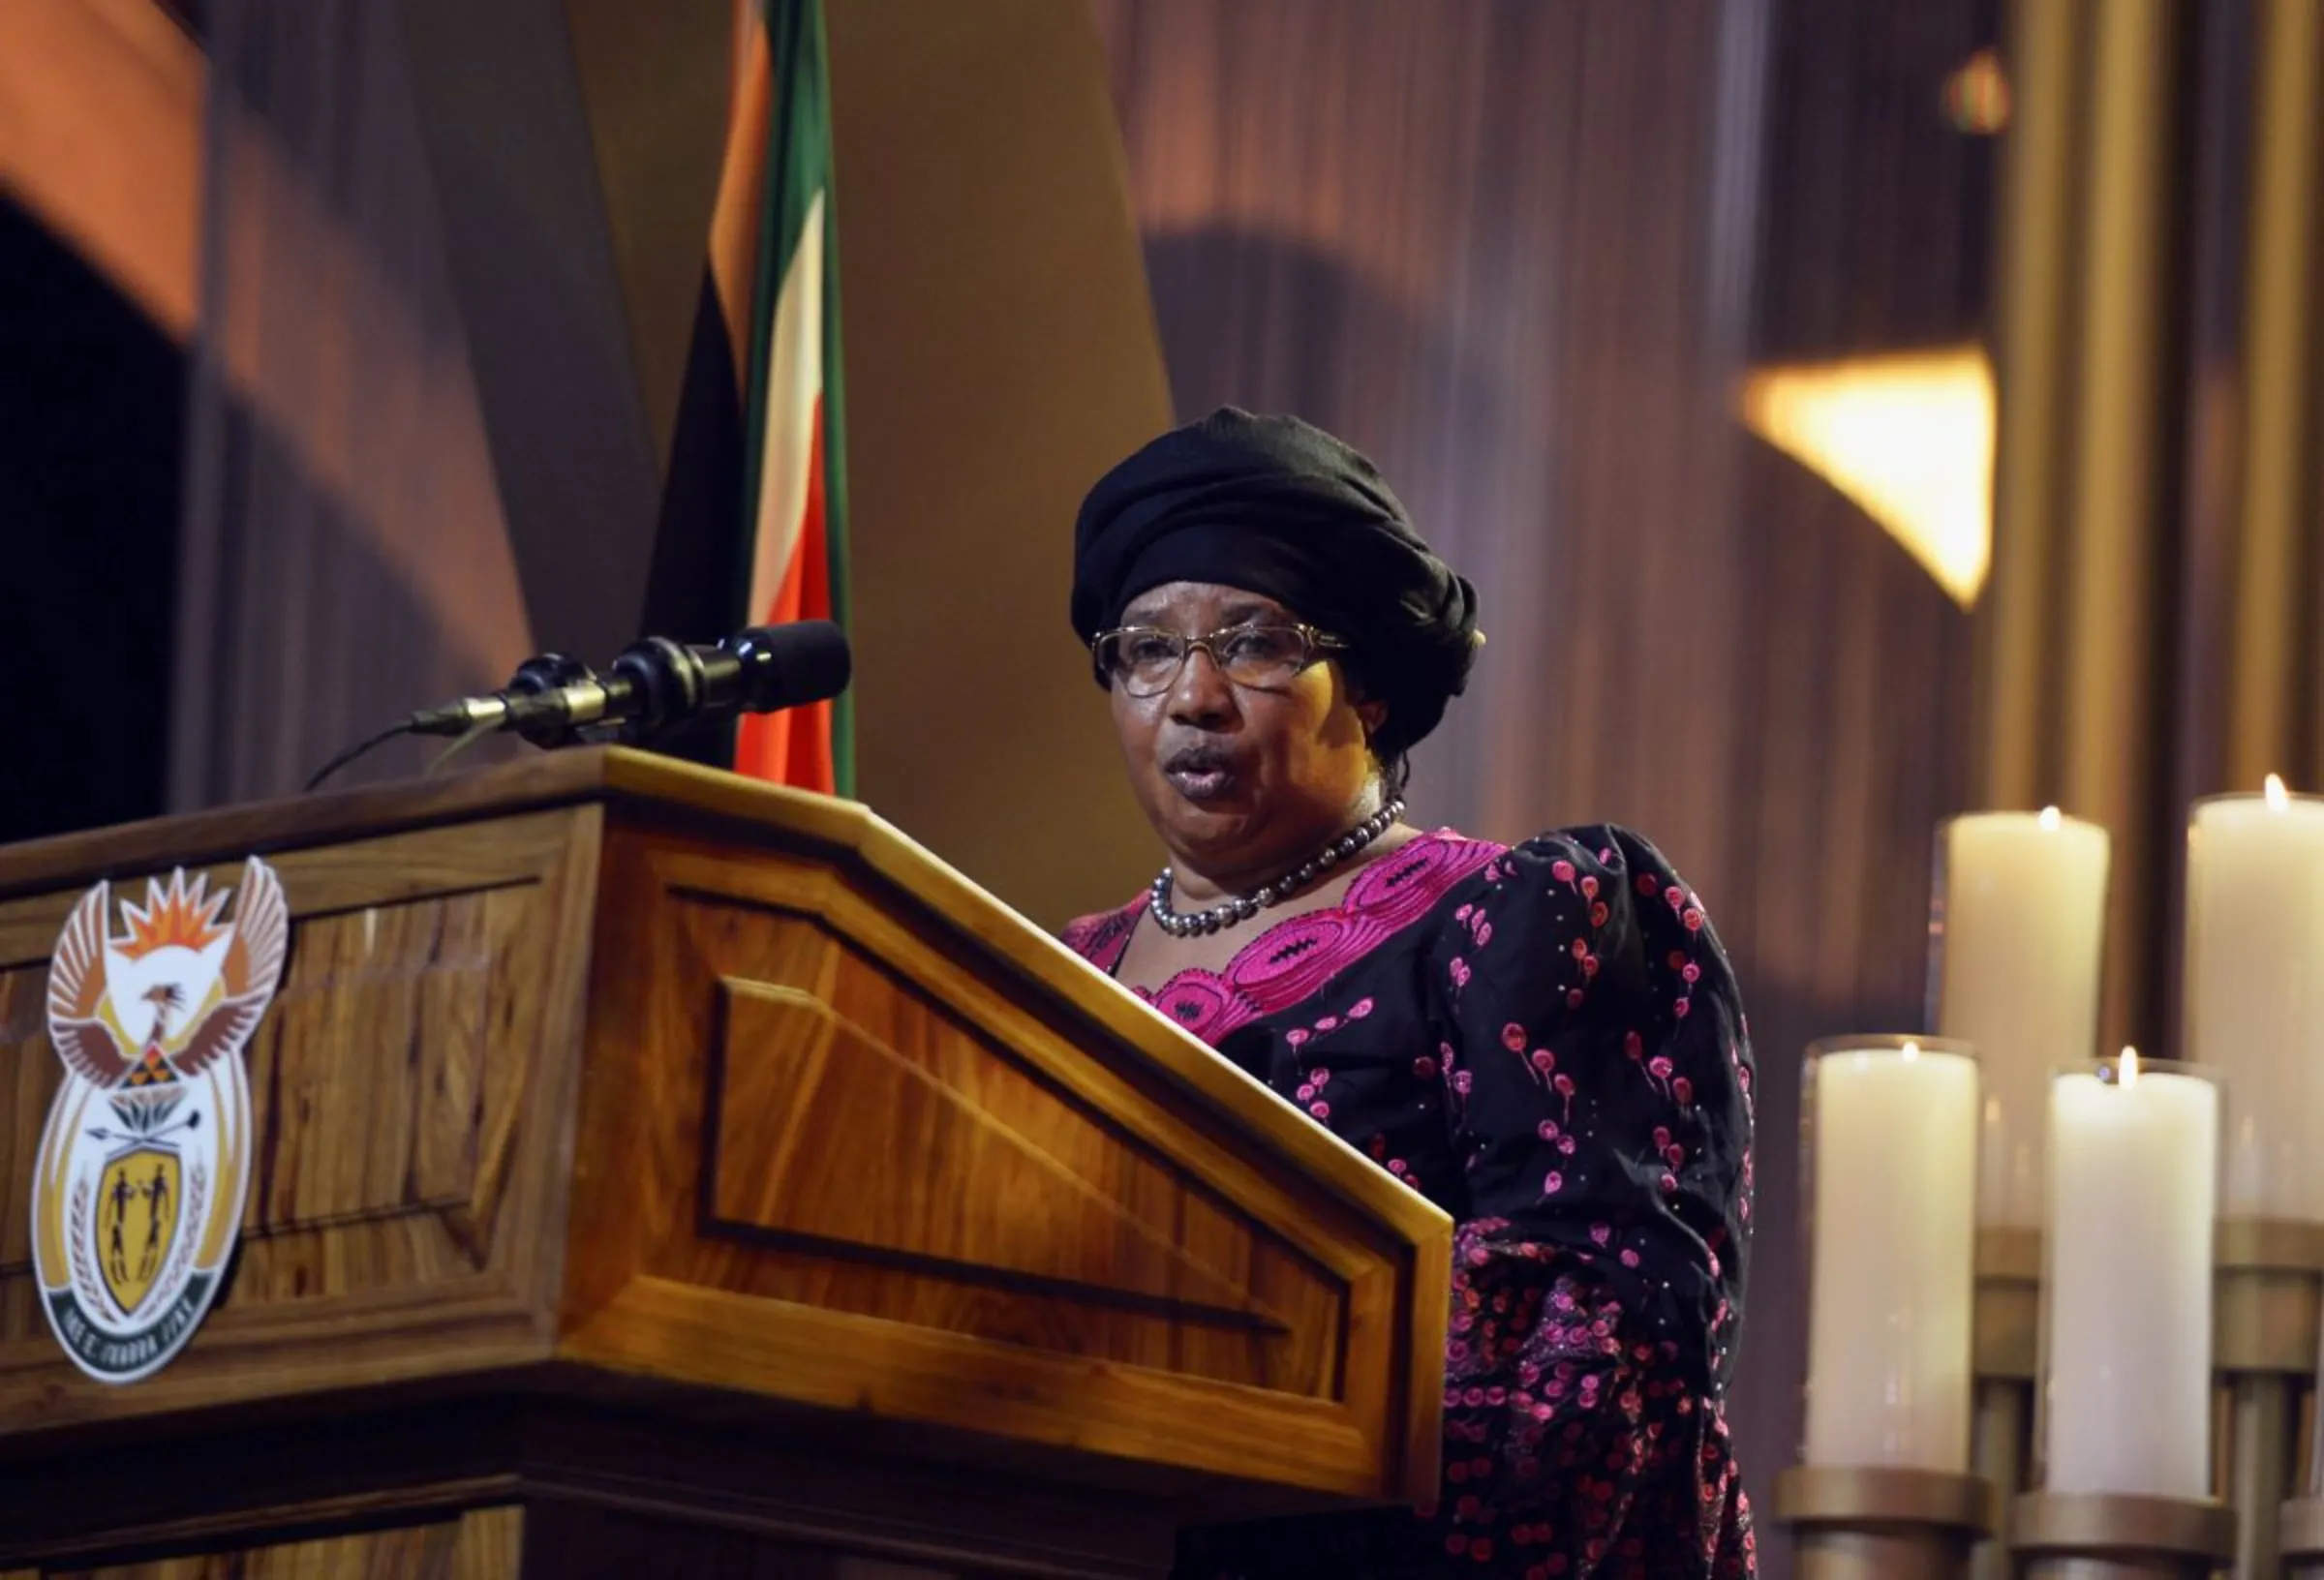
1201	783
1198	773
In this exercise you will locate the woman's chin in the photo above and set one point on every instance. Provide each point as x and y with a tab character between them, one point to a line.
1209	833
1211	829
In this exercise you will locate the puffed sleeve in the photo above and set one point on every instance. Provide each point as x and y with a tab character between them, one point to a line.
1598	1073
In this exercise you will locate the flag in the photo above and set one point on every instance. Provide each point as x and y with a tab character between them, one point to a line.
775	268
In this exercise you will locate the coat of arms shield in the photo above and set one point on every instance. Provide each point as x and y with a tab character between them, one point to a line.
139	1183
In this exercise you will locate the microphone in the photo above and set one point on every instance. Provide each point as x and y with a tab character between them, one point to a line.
656	683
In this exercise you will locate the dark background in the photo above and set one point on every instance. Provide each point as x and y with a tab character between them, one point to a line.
92	435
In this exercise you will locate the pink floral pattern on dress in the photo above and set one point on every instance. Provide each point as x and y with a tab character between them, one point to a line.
1546	1040
1294	957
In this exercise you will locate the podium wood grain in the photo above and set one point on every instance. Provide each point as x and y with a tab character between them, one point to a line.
631	1137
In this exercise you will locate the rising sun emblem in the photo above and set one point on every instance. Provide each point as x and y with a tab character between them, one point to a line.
140	1175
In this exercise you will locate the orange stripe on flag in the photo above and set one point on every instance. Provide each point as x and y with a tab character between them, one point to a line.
794	746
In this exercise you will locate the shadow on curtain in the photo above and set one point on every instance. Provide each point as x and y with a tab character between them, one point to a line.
344	555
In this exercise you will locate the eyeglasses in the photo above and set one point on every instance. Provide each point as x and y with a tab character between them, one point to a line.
1144	662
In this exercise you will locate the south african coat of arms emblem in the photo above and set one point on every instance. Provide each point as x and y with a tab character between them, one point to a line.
141	1170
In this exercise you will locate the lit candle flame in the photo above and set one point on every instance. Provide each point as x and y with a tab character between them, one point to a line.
2278	798
2129	1066
1911	1051
2051	819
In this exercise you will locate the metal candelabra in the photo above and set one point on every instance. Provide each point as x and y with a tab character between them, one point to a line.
2008	1360
2264	1322
1877	1524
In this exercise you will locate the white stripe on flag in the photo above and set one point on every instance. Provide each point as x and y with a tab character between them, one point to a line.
794	384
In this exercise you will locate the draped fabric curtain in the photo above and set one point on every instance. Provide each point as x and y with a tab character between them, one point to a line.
1521	253
429	221
344	555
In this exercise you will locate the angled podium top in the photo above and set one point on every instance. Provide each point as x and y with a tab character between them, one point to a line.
609	1075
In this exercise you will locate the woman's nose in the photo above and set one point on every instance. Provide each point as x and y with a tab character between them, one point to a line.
1202	695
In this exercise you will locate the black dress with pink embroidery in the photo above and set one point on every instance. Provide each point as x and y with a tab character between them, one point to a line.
1545	1041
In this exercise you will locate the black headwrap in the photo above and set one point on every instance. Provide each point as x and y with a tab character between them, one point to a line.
1278	507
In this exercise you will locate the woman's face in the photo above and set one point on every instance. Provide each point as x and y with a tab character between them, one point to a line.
1241	783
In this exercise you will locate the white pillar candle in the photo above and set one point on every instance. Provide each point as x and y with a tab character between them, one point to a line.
2018	928
2256	990
2126	1342
1892	1224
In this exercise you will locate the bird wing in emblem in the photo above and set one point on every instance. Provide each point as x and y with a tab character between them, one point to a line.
254	962
222	1031
90	1051
254	965
77	988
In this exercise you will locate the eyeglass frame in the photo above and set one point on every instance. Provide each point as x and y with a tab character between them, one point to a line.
1320	642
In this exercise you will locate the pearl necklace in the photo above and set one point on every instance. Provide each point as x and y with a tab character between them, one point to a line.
1242	908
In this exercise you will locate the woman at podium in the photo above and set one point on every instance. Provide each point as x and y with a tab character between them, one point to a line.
1545	1038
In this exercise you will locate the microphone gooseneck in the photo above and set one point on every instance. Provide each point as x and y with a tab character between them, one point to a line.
538	675
654	684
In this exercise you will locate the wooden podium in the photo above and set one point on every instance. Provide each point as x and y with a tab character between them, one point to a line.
656	1172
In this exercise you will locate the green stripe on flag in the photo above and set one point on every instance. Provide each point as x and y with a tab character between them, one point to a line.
799	165
835	431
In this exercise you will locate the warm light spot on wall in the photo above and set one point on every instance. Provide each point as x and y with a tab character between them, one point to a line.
1909	436
1976	97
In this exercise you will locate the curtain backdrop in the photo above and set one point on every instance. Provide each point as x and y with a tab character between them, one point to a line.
415	243
1513	250
344	555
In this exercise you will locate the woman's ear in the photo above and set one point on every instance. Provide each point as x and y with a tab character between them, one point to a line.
1371	712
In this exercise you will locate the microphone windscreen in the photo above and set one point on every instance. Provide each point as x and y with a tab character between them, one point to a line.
788	666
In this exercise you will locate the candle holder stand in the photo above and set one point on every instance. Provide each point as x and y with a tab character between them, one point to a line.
2299	1534
1868	1523
2269	1291
2008	1363
2105	1536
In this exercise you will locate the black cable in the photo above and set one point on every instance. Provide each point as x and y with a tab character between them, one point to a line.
474	733
401	726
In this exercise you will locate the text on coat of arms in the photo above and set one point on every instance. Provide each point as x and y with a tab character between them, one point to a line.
138	1185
